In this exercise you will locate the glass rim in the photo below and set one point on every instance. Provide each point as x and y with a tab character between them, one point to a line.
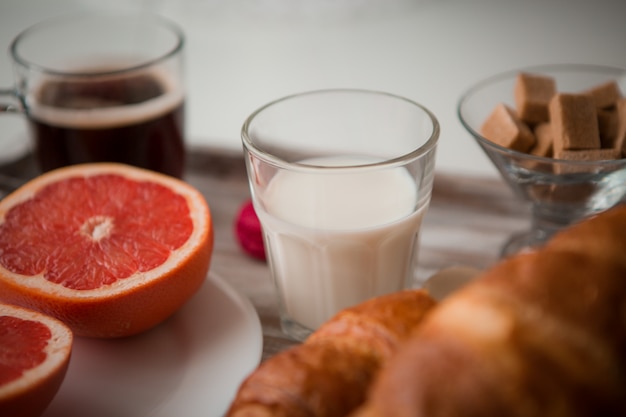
402	159
161	21
511	74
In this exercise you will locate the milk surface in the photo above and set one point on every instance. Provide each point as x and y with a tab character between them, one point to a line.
337	239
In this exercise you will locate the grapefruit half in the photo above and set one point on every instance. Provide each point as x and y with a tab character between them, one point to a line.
34	355
109	249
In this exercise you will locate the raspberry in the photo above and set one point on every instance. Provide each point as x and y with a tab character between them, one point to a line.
248	231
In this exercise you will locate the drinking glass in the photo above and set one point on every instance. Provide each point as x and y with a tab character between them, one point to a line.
101	87
340	180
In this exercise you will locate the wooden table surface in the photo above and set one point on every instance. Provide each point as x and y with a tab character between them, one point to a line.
468	220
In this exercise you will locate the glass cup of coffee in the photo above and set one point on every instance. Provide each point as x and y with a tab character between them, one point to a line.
98	87
340	180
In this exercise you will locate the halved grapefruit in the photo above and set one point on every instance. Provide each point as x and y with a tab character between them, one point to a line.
109	249
34	355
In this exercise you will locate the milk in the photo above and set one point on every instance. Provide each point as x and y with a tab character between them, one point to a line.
336	239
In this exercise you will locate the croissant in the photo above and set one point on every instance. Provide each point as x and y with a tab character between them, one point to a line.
329	374
542	333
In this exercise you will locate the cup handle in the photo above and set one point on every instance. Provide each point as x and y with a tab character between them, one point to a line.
9	107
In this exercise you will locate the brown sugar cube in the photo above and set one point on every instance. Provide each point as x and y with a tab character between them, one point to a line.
543	135
583	155
605	95
607	125
504	128
588	154
620	135
574	122
532	97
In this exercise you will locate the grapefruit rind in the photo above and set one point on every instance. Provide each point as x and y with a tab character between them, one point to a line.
127	306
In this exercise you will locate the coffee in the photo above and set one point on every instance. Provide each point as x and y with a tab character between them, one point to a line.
134	119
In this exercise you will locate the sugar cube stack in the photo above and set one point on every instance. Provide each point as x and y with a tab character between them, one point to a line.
589	125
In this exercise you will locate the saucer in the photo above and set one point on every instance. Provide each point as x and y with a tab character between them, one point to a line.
189	366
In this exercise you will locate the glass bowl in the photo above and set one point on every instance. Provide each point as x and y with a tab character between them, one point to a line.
560	192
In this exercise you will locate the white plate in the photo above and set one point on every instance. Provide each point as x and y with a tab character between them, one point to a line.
191	365
448	280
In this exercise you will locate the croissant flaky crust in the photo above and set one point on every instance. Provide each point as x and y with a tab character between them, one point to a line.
329	374
540	334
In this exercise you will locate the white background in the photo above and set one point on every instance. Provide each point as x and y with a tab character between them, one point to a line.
243	53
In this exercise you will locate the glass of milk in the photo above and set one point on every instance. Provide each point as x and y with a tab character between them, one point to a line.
340	180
